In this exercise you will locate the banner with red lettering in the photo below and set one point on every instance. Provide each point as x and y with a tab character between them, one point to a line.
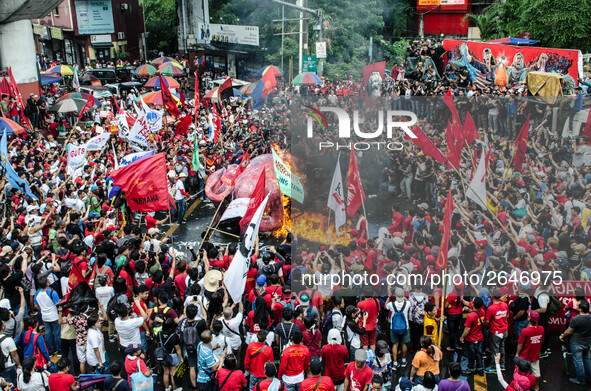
507	65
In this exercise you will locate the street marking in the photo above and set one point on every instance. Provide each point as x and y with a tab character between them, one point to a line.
480	382
173	227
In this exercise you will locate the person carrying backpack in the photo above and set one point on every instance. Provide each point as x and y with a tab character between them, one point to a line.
8	362
546	304
399	327
189	334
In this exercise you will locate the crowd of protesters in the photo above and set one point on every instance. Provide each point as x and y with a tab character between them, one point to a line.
163	310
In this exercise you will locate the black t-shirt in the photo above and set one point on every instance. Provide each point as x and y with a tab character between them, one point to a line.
110	383
10	285
170	340
581	326
520	304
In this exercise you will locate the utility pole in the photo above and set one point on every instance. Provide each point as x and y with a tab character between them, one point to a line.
318	14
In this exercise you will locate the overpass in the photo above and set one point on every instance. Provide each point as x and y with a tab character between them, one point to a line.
17	47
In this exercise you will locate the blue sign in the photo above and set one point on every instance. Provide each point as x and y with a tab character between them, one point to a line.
94	17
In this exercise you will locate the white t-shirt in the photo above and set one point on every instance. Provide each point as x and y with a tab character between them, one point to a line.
128	330
104	294
218	339
233	339
399	307
38	381
95	340
179	185
47	305
8	346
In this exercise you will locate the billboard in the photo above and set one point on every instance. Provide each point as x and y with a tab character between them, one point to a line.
441	2
94	17
226	33
505	65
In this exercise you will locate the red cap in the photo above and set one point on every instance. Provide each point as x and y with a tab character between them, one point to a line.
354	232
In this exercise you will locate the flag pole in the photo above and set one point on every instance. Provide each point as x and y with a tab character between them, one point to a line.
211	222
366	222
440	334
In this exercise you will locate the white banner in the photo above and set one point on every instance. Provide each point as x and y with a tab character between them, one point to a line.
123	125
228	33
76	155
134	157
154	117
97	142
139	133
235	277
336	199
236	208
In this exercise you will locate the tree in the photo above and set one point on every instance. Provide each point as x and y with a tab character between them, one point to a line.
161	25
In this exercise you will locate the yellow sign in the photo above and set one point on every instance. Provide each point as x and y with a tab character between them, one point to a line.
36	29
56	33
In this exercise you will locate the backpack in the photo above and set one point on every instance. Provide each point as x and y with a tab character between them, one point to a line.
160	353
398	320
287	305
189	336
158	325
41	363
3	358
327	324
554	305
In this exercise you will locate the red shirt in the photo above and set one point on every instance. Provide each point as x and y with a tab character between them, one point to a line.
180	283
294	360
358	379
131	366
128	280
372	307
263	385
397	220
531	337
150	222
496	315
312	341
474	321
455	307
334	358
61	381
137	311
309	384
256	365
234	383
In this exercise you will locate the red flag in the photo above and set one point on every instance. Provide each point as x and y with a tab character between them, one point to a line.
167	99
587	131
144	183
443	248
183	100
217	124
87	106
456	124
116	105
14	91
451	151
130	118
229	177
183	125
470	129
521	143
355	194
225	85
379	67
425	144
74	279
258	195
196	94
269	81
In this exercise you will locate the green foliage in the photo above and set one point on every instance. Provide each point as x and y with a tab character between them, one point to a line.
395	52
161	25
121	55
554	23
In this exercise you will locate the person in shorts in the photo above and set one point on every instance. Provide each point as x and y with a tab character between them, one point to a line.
400	305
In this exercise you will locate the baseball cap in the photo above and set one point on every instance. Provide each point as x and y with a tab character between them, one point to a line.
5	250
360	355
261	280
404	384
131	349
315	364
382	346
153	231
533	316
5	303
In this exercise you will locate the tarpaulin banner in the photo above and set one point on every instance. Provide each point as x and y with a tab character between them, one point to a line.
507	65
289	184
565	292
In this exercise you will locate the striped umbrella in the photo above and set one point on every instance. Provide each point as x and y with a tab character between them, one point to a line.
79	95
155	82
155	98
247	89
276	70
167	69
10	127
145	70
62	70
306	79
67	105
50	78
161	60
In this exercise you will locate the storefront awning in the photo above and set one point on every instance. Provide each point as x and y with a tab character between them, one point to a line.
102	44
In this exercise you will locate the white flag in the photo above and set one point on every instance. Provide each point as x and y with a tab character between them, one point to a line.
123	125
75	81
134	157
477	190
139	132
235	277
336	201
76	155
236	208
98	142
154	117
137	110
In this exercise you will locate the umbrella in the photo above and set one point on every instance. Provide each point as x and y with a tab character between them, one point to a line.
10	127
306	79
50	78
155	82
247	89
155	98
79	95
145	70
161	60
167	69
237	93
87	380
62	70
68	105
276	70
211	94
88	77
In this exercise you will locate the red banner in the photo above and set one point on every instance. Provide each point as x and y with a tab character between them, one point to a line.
508	65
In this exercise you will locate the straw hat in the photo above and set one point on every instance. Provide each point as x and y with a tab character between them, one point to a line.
211	280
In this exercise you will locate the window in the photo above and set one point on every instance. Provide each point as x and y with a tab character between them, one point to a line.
56	11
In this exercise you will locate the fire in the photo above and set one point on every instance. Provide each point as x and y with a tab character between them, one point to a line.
312	227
